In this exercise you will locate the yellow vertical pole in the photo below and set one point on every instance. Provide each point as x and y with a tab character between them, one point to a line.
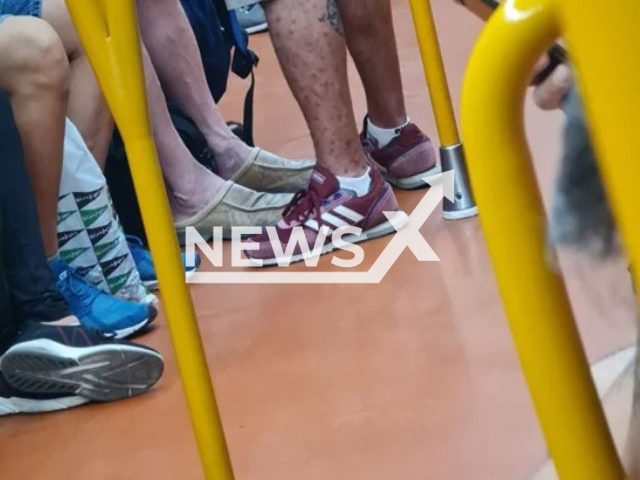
434	71
452	155
513	220
109	33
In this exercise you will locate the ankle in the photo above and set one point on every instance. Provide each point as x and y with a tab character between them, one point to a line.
359	185
388	116
231	156
221	140
192	199
384	135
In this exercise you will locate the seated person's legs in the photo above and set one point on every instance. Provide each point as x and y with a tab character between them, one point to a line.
8	325
174	53
36	82
86	107
38	362
173	50
33	288
199	197
34	73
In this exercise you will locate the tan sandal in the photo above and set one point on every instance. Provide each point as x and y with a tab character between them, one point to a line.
265	172
238	206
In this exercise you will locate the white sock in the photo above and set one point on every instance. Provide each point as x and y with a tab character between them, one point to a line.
383	136
358	185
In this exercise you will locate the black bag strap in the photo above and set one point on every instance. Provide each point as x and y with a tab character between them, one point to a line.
243	65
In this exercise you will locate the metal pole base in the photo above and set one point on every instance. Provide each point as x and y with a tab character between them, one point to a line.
464	205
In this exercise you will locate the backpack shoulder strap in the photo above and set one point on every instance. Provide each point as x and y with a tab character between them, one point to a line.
244	61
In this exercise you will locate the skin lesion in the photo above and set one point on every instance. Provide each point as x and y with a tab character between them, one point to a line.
332	15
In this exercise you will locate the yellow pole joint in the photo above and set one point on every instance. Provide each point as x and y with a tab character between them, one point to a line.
513	220
108	30
451	151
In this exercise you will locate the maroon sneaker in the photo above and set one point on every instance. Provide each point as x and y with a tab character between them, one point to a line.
324	204
405	161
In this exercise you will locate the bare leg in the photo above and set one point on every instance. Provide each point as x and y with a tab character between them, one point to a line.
192	186
174	53
35	73
311	50
368	27
87	108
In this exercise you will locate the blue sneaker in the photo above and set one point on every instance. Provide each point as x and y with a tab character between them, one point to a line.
144	262
98	310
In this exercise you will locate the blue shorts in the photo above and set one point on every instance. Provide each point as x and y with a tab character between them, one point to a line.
31	8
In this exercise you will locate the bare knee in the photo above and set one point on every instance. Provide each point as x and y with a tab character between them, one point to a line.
39	60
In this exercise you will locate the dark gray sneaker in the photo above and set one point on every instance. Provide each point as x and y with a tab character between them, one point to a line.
252	18
62	361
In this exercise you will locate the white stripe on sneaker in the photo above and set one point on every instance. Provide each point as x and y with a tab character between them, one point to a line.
348	213
312	224
335	221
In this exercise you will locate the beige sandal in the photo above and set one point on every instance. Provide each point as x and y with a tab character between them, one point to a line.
265	172
237	206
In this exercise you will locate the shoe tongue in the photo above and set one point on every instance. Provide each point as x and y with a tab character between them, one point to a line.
323	182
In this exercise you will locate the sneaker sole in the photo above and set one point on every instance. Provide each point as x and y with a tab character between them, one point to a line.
381	230
102	373
15	405
153	285
460	214
261	27
129	331
413	182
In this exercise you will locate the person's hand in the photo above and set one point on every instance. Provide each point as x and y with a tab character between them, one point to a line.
549	94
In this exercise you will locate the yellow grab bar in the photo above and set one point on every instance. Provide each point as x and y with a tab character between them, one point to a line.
609	77
513	221
108	30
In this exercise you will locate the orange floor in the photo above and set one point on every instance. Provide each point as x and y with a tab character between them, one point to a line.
412	379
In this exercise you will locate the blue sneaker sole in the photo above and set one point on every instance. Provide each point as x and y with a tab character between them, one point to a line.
100	373
133	329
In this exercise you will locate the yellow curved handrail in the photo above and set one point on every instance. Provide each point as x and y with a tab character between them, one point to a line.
513	219
108	30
